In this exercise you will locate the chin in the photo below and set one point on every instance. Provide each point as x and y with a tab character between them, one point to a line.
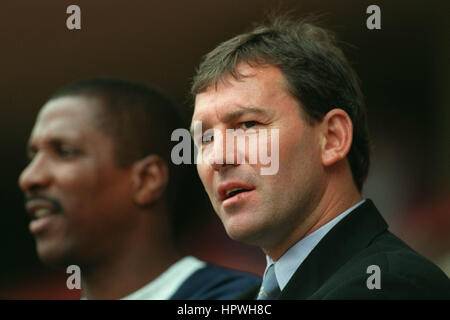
242	233
53	254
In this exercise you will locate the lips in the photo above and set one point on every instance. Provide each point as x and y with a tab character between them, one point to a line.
38	208
232	189
42	212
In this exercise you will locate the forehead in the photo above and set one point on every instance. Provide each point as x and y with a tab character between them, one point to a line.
259	87
67	117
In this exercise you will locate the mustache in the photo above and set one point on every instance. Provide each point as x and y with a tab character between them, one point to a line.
55	202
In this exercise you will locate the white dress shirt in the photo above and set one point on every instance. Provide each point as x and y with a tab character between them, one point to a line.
286	266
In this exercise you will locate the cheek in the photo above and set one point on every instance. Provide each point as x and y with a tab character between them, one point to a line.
74	179
295	157
80	185
205	175
302	165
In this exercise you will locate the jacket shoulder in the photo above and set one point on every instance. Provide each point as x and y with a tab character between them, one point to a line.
215	283
386	269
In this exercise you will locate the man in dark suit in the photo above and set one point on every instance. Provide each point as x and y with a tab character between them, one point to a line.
288	84
100	191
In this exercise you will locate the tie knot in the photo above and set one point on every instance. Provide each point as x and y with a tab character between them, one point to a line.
269	287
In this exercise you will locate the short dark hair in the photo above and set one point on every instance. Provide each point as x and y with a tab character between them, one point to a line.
316	71
139	118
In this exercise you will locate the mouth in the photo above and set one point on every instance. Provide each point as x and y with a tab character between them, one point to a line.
232	190
231	193
41	213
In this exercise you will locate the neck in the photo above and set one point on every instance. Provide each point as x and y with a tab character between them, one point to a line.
130	269
338	196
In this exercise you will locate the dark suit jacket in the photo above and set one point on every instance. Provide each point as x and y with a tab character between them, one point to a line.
215	283
337	267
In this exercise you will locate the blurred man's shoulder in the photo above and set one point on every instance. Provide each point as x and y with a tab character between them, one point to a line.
213	282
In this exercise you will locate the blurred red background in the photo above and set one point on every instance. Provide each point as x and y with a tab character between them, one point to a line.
405	74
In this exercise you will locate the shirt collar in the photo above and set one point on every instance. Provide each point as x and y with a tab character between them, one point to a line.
286	266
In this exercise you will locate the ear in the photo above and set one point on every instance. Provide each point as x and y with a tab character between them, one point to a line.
150	179
337	136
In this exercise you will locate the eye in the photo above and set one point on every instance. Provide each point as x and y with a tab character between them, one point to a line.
31	153
249	124
65	151
208	136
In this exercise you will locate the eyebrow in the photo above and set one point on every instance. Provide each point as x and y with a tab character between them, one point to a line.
235	114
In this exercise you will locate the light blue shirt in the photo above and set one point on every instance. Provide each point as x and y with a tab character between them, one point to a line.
286	266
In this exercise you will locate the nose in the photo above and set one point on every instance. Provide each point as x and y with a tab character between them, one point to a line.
224	152
35	175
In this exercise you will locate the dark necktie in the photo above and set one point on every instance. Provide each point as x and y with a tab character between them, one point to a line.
269	287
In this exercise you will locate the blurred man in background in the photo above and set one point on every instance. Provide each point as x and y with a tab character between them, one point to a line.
322	240
100	190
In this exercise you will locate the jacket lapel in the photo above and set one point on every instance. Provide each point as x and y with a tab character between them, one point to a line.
349	236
